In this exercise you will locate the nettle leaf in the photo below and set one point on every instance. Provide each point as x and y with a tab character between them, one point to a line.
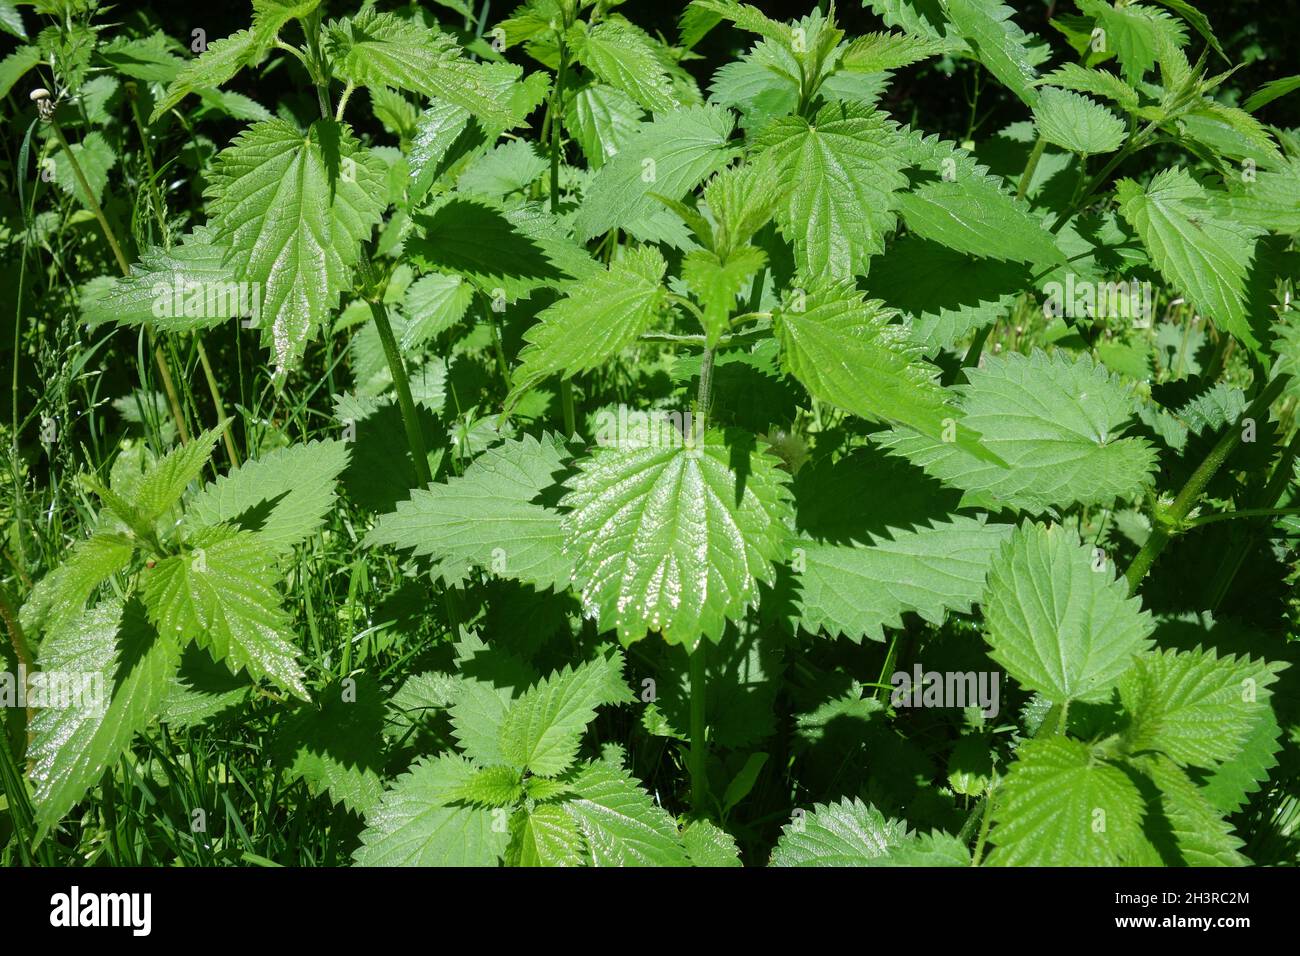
1058	624
889	51
595	321
493	787
846	350
122	668
858	590
998	43
508	168
672	539
601	119
544	725
1193	706
487	517
163	484
1072	76
709	845
380	49
431	305
16	65
544	835
210	69
843	169
1061	806
667	157
1074	122
1138	35
1229	785
283	495
293	211
619	822
189	286
1184	829
95	157
625	58
1198	250
1058	424
222	594
848	833
717	283
973	214
420	821
62	594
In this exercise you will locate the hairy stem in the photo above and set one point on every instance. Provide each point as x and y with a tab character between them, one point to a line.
699	754
410	421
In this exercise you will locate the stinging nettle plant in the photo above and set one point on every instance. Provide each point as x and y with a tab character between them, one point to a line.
612	440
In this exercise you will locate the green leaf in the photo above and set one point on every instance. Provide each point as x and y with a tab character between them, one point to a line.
1271	200
544	835
283	495
596	320
418	822
432	304
15	66
508	168
1137	34
336	744
379	49
487	517
222	594
845	350
844	169
179	289
293	211
62	594
1193	706
1058	624
544	725
709	845
620	824
972	214
11	21
492	787
1198	251
889	51
852	590
668	539
95	157
622	56
1058	424
1074	122
717	283
1060	806
998	43
1266	94
601	119
1072	76
667	157
165	481
929	849
120	668
210	69
848	833
1181	823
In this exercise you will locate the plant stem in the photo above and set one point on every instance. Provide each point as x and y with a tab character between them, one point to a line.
1030	165
414	436
553	117
1170	521
163	370
698	757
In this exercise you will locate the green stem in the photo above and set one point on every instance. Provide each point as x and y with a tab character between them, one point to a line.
410	421
566	408
553	116
20	805
699	755
1170	521
986	818
1030	165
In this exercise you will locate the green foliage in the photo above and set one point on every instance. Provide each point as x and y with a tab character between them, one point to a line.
473	450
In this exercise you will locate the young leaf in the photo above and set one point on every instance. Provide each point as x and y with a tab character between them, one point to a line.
544	725
620	824
544	835
419	822
594	322
1058	624
1074	122
671	539
222	594
624	57
998	43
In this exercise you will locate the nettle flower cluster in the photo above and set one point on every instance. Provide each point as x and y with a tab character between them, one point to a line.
835	450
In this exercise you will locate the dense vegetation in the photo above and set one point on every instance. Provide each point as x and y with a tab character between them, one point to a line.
587	434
